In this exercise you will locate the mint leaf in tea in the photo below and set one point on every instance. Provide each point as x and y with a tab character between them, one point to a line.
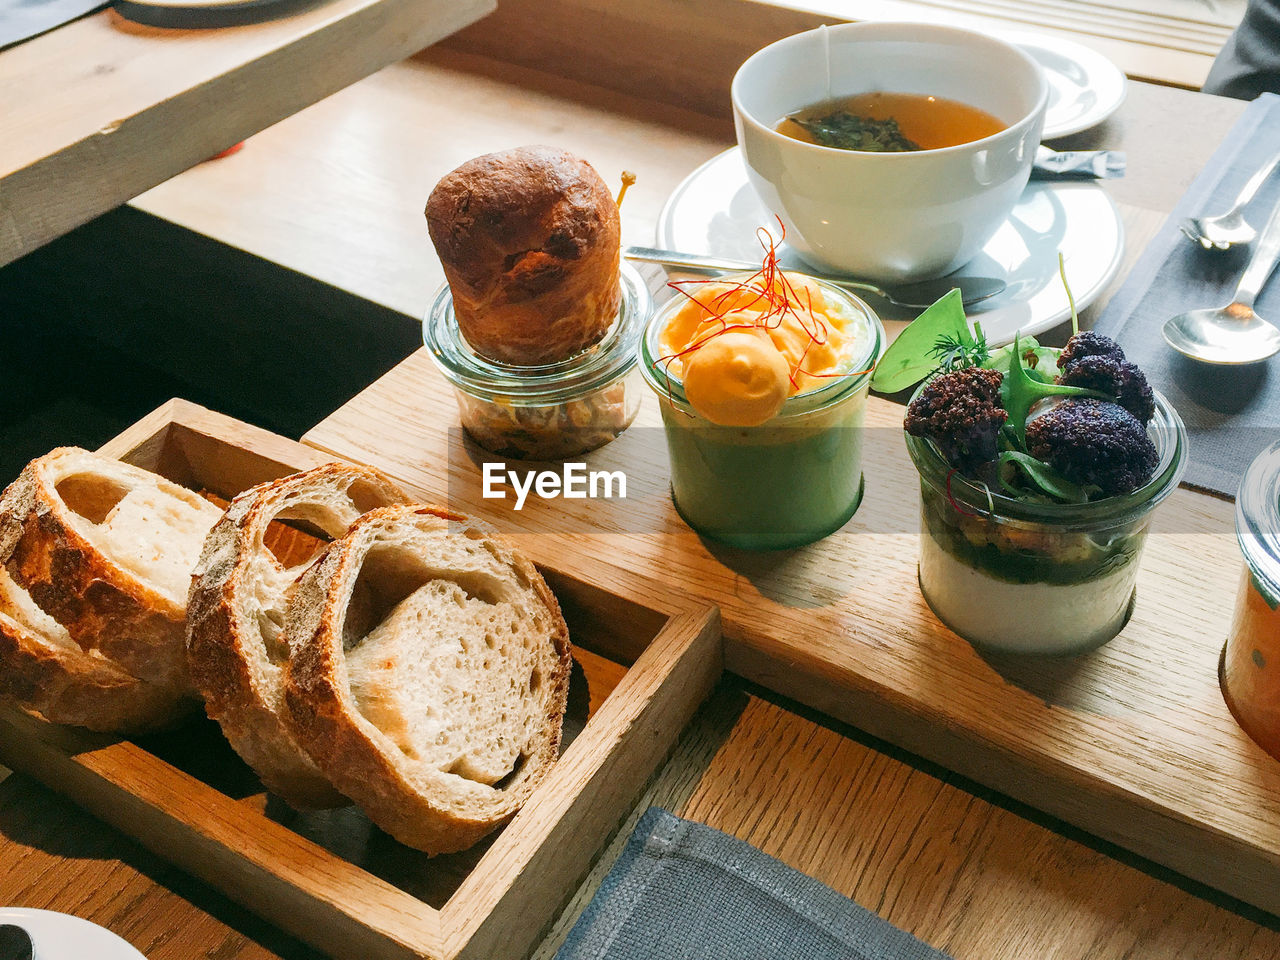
883	122
848	131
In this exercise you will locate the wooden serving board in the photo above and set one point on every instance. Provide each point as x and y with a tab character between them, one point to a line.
1132	743
647	656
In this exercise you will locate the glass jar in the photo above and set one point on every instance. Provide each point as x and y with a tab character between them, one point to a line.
551	411
1250	671
1051	579
787	482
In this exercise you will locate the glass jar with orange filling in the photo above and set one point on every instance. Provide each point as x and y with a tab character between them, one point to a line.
1250	671
762	382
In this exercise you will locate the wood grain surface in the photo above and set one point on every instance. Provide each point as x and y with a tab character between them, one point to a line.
970	877
102	109
964	870
685	52
57	857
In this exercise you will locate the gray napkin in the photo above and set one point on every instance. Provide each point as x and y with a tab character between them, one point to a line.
23	19
1231	413
683	891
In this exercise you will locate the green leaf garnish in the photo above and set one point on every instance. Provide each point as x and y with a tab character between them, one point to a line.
1042	477
1019	392
1040	363
911	357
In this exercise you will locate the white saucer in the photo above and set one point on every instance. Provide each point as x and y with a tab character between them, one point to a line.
1084	86
715	211
58	936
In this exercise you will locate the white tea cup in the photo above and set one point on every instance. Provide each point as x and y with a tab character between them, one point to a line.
889	216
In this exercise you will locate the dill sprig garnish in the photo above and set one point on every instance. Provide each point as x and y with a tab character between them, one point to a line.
958	352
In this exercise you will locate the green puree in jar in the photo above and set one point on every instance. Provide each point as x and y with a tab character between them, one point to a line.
784	481
763	488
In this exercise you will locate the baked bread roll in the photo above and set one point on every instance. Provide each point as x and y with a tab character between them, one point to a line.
100	554
236	611
428	674
529	240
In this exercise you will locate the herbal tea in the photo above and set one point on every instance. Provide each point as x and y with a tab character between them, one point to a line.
890	122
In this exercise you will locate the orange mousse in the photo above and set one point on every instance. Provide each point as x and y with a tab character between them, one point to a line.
741	349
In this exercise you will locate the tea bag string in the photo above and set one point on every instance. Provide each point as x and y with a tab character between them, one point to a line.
826	56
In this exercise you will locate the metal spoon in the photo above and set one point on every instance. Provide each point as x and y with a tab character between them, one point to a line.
1234	333
916	296
15	943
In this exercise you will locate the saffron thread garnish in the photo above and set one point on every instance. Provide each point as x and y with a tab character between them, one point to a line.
771	291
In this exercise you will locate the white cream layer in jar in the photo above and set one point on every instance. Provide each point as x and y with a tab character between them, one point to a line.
1043	619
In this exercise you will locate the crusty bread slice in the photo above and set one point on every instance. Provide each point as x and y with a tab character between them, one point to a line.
44	671
236	611
100	554
428	674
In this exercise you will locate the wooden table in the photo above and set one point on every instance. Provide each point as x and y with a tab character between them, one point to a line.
372	153
101	109
969	870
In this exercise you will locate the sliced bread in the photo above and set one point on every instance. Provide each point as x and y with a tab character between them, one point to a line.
99	553
45	672
239	593
428	673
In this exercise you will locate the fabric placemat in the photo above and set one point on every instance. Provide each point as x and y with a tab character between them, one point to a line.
23	19
1231	413
684	891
